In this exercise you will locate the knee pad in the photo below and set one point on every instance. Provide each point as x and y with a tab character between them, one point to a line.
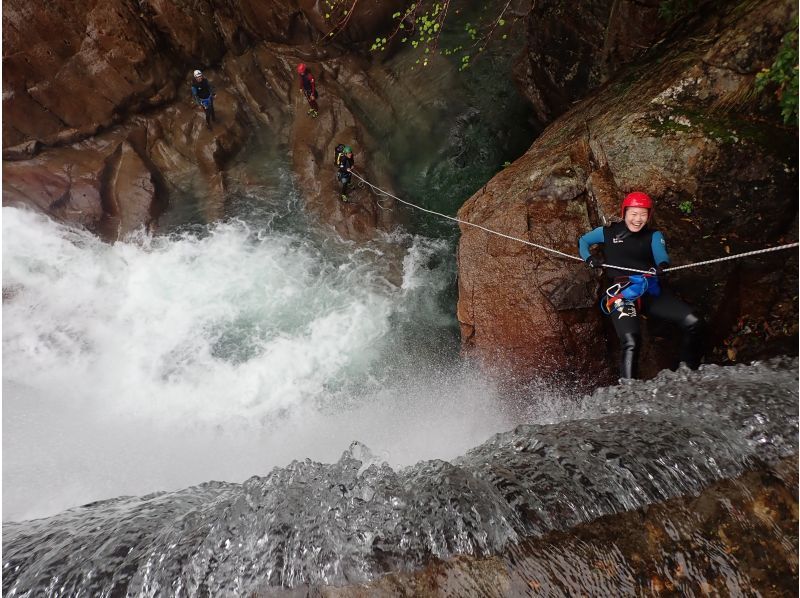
629	341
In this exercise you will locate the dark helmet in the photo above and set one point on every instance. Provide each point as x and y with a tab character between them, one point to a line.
637	199
301	68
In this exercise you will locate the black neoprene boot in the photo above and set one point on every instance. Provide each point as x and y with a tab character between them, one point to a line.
629	360
691	344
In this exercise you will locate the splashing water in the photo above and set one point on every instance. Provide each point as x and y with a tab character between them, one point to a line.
353	520
165	361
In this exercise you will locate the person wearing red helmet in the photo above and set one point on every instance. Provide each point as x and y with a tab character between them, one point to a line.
309	88
631	243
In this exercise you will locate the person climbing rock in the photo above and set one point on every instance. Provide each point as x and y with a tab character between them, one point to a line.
345	163
309	88
203	95
631	243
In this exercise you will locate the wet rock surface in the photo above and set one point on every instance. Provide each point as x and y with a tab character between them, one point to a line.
684	126
735	537
104	73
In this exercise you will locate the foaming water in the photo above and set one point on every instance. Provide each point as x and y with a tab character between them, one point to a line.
350	522
165	361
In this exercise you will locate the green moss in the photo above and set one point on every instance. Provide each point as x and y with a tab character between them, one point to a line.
667	125
725	128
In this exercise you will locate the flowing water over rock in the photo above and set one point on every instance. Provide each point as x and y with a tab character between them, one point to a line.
348	522
263	344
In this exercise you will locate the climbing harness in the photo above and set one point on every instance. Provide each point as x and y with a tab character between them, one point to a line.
380	191
626	293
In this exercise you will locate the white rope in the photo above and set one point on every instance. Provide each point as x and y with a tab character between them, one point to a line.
733	257
483	228
573	257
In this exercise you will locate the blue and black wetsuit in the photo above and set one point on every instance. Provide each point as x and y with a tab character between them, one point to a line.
642	250
203	94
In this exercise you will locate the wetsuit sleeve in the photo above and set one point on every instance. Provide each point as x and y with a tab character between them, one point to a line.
659	247
593	237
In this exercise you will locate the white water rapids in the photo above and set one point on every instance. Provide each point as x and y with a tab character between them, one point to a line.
166	361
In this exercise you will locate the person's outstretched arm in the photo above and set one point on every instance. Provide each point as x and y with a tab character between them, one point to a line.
593	237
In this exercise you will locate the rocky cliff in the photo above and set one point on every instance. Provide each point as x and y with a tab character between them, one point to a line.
99	128
681	122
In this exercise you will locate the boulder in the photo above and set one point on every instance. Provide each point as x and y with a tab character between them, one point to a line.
678	126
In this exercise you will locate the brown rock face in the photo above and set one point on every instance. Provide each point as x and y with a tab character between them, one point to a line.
128	188
573	48
680	127
66	186
80	66
76	67
313	151
364	18
119	180
115	74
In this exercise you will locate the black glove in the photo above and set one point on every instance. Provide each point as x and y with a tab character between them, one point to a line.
594	262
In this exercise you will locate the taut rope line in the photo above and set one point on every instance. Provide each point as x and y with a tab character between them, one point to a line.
454	219
566	255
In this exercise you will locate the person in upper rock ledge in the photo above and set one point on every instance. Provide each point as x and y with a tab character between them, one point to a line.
631	243
203	95
344	162
309	88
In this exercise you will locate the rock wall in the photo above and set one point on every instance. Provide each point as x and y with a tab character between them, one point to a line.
572	49
99	126
79	66
685	125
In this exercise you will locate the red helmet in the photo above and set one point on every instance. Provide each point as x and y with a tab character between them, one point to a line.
301	68
637	199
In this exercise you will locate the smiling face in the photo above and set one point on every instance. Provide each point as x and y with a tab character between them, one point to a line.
636	218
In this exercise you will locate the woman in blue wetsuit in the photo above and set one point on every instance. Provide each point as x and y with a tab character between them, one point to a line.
632	244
